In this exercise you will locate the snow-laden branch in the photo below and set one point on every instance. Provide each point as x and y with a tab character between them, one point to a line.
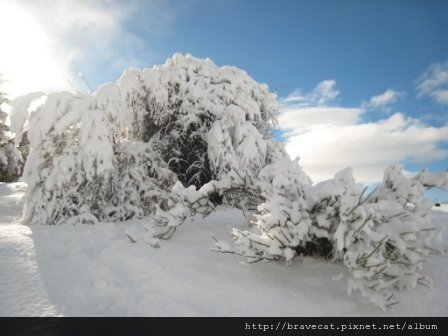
383	238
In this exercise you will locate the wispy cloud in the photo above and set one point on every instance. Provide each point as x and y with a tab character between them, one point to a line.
433	83
328	137
323	93
383	100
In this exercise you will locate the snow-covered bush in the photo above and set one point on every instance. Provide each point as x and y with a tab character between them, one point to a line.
11	162
4	129
205	120
115	154
79	169
383	238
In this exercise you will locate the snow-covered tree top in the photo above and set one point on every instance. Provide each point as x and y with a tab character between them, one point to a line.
198	87
220	114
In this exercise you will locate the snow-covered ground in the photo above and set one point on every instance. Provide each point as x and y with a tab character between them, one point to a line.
95	270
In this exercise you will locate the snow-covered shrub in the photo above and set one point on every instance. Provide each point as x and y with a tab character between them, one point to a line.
388	237
383	238
79	169
11	162
111	155
205	120
71	163
4	129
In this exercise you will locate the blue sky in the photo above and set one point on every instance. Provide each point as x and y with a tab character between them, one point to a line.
361	83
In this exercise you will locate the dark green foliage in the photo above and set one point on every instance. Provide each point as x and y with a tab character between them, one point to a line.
186	153
318	247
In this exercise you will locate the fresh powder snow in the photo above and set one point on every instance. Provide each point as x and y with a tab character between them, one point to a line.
96	270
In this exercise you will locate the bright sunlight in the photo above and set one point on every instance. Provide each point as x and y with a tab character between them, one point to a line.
29	60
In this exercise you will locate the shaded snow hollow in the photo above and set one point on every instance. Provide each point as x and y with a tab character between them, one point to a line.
94	270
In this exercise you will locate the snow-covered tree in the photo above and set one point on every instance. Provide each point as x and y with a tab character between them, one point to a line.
11	162
205	120
188	117
3	128
79	169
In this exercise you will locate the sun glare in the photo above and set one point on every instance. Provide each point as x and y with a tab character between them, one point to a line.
29	60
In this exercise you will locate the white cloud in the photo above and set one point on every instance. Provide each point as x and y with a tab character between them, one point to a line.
441	96
299	119
331	138
300	111
433	83
368	148
323	93
382	100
